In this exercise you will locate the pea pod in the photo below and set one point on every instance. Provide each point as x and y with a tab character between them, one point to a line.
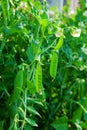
5	9
59	44
38	78
53	65
18	83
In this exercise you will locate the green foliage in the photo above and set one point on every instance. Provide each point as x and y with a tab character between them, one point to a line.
61	123
43	67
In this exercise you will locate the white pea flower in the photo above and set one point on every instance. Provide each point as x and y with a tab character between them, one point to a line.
59	32
75	32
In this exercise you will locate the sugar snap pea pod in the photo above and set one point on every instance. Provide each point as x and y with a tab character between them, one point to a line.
18	83
53	65
38	78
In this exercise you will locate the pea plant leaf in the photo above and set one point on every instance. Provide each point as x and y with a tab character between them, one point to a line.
31	122
60	124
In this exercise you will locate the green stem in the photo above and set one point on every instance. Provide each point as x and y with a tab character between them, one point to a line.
29	75
51	46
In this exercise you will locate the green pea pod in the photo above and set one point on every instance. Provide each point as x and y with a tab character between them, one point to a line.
18	83
59	44
5	9
39	78
53	65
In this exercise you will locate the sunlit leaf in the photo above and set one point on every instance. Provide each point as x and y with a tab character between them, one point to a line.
32	110
31	122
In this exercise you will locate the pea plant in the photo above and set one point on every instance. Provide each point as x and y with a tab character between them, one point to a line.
42	67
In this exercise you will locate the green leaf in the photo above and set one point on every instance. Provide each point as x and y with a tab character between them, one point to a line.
30	54
44	22
2	46
77	114
22	112
28	127
53	65
84	125
1	125
39	78
31	122
32	110
60	124
35	101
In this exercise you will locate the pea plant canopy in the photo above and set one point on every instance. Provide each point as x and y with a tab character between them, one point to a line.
43	67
